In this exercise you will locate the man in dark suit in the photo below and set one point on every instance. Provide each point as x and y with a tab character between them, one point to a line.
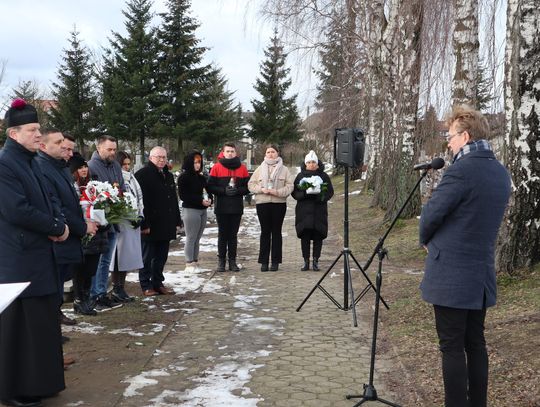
31	364
458	228
161	220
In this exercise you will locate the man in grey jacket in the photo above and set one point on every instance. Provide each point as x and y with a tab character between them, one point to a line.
104	167
458	228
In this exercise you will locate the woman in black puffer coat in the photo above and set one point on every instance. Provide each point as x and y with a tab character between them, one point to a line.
312	209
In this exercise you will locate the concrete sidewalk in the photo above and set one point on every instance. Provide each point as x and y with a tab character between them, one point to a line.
248	346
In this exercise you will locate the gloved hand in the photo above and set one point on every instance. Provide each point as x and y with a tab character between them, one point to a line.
136	223
231	191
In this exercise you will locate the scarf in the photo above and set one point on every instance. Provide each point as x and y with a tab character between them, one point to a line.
270	170
480	145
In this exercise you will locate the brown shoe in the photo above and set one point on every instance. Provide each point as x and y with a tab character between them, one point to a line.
68	360
165	290
150	293
65	320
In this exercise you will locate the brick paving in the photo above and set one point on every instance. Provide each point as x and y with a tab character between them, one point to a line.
238	340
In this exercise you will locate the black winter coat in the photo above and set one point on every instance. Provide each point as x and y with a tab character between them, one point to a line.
312	209
161	211
61	185
191	185
28	216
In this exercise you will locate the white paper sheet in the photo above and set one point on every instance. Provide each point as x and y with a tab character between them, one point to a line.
8	292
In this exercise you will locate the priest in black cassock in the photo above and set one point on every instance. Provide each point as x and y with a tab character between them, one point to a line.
31	365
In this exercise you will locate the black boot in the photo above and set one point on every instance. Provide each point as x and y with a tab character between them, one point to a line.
264	267
233	266
274	267
221	264
316	264
83	305
119	292
305	267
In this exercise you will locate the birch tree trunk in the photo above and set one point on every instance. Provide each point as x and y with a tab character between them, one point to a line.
466	45
519	242
403	63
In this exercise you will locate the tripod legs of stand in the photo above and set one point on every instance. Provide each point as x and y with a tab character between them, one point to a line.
370	393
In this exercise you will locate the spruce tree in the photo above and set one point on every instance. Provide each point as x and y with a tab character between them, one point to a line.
76	110
128	78
275	117
182	76
221	115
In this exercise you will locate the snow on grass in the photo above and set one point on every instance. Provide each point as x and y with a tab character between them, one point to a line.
129	331
143	380
83	327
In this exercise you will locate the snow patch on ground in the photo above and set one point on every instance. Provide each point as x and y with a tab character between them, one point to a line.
143	380
83	327
216	388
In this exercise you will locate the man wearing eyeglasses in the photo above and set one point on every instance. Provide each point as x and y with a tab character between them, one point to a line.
458	228
161	220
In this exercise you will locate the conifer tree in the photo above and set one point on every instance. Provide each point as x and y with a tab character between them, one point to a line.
223	121
275	117
182	76
76	110
128	78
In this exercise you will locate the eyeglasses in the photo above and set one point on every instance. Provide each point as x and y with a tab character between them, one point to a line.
451	136
160	157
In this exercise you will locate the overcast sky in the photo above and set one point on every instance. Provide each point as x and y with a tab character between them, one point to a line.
33	34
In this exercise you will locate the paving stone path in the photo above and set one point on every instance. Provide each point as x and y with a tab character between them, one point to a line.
237	339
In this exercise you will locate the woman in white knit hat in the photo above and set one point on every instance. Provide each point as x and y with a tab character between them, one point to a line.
312	190
271	184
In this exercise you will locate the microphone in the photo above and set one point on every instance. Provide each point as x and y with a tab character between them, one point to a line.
435	164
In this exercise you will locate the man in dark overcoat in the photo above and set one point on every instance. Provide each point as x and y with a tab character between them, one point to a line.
161	220
51	159
31	364
458	228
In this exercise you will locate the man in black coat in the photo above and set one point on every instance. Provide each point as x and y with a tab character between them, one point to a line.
31	364
161	220
51	159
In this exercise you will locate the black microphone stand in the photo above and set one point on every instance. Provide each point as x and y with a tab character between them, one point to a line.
370	393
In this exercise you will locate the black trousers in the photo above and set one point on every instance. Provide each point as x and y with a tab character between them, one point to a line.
228	226
65	273
155	254
307	237
464	356
82	275
271	217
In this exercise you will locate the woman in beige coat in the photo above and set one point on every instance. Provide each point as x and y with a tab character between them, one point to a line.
271	184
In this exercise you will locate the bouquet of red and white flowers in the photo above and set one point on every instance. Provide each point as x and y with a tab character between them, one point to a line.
105	204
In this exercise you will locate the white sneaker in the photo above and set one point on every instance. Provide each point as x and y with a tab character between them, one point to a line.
190	268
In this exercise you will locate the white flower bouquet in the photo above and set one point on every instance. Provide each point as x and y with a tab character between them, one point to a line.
313	185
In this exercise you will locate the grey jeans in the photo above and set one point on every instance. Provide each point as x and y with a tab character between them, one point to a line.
194	224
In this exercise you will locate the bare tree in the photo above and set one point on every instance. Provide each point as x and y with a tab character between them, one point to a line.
520	236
